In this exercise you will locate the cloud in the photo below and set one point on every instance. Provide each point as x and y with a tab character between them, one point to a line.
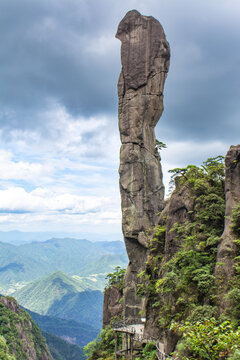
40	200
60	64
44	209
22	170
65	52
46	57
65	135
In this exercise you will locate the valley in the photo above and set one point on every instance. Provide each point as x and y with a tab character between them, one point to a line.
24	263
60	283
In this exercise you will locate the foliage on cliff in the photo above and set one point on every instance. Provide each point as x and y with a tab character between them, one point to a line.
233	295
102	347
182	286
23	339
4	350
207	340
116	278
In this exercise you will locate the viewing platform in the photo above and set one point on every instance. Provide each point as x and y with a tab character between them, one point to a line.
134	332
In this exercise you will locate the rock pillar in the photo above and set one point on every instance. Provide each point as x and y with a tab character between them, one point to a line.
145	58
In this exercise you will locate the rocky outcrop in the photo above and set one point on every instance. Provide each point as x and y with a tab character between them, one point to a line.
23	337
177	210
145	58
112	305
227	248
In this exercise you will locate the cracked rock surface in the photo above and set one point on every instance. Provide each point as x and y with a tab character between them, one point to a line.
145	55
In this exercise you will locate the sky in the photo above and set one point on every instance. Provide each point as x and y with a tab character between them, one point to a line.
59	140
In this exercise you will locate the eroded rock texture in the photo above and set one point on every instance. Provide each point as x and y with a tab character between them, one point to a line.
227	248
145	58
112	305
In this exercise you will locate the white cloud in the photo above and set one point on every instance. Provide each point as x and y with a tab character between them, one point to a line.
42	200
66	176
42	209
24	170
67	136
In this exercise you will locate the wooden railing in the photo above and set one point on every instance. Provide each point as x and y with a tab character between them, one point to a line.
121	323
128	328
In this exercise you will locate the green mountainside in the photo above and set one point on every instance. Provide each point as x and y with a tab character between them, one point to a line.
28	262
62	296
63	350
70	330
106	264
20	338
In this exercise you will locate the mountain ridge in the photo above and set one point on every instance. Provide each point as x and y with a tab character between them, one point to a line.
28	262
62	296
70	330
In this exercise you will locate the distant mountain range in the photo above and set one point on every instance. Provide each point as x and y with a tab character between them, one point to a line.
28	262
16	237
61	296
58	281
72	331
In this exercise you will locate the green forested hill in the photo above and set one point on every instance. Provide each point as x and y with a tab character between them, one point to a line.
28	262
61	296
61	349
70	330
20	338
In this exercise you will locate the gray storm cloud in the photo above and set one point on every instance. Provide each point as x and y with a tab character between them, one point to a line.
64	52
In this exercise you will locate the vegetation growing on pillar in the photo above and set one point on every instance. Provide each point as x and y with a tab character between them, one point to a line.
183	286
160	145
233	296
186	283
149	277
116	278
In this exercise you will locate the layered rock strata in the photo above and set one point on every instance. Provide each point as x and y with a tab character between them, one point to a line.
145	58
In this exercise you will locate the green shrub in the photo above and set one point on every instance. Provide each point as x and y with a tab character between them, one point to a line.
149	352
207	340
116	278
103	346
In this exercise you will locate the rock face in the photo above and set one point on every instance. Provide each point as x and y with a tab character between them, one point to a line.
145	58
227	248
111	305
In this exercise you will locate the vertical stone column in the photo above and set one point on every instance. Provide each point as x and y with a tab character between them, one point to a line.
145	58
